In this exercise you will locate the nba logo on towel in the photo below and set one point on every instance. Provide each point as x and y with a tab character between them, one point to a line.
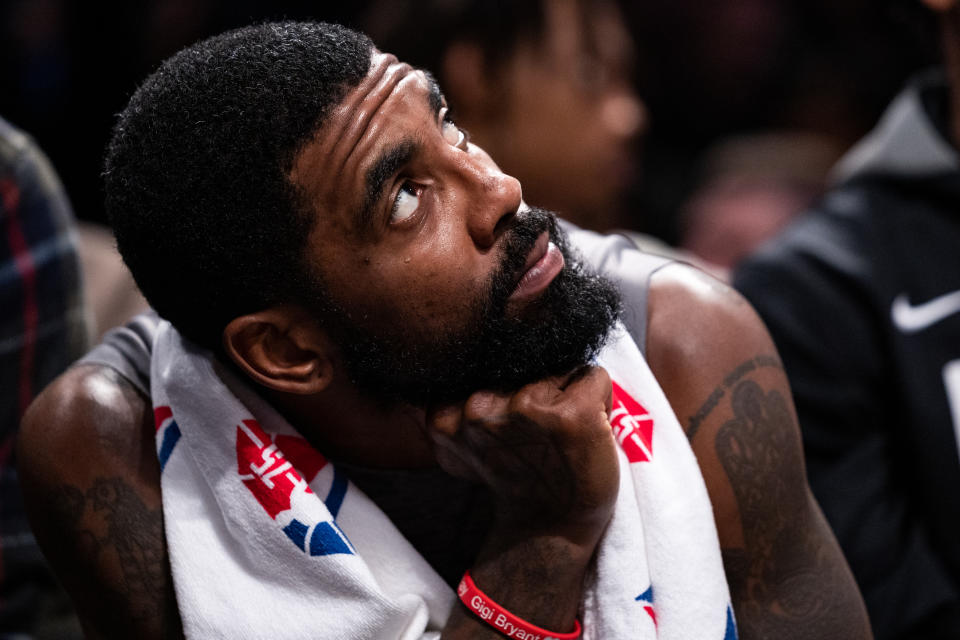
277	472
632	426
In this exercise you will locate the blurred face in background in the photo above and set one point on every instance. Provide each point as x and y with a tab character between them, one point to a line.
563	116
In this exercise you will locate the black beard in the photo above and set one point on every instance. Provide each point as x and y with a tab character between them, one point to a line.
562	330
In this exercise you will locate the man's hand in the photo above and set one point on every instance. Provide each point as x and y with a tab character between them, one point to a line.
548	456
546	452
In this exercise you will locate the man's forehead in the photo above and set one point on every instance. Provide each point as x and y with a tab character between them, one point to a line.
353	127
386	77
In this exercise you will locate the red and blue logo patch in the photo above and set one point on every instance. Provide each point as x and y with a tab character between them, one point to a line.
277	471
632	426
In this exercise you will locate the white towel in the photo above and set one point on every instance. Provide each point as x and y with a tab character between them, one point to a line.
267	540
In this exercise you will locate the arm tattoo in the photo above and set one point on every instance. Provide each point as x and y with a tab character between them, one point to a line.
714	399
134	531
782	581
118	540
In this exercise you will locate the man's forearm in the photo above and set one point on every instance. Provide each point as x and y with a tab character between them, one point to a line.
801	588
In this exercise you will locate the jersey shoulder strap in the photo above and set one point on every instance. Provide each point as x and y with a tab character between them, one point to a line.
618	258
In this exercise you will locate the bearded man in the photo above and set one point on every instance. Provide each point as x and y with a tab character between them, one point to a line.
377	371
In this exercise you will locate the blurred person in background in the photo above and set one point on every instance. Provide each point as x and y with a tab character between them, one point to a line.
42	330
544	85
53	57
862	297
732	70
752	186
707	71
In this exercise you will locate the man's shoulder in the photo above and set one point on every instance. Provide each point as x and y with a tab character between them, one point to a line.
90	478
688	311
695	317
89	415
97	406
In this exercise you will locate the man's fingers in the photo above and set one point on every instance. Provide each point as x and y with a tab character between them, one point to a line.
444	429
483	407
589	378
486	407
592	382
579	389
454	459
444	420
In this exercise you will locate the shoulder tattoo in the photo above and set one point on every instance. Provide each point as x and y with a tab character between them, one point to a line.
117	546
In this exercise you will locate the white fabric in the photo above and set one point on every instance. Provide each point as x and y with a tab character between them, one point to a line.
239	575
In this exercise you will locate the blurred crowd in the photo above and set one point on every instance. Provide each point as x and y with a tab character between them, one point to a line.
697	92
699	129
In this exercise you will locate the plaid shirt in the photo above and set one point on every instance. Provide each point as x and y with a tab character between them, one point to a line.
42	330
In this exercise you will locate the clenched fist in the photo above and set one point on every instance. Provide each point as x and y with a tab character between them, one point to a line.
546	452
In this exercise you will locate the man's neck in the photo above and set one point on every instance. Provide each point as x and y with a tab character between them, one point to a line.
345	425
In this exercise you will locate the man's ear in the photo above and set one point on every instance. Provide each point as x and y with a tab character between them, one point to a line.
282	348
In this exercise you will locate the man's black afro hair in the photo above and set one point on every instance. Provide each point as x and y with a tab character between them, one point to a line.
196	175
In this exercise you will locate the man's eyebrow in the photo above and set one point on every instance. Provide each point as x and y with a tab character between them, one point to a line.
390	162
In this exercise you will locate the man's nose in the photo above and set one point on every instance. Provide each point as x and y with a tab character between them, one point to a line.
497	198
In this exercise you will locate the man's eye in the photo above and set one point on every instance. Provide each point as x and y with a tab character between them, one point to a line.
453	134
406	202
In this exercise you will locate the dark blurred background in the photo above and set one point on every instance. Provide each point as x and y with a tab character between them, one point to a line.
723	81
712	71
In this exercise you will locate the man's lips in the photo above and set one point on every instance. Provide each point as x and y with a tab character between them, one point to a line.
543	264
